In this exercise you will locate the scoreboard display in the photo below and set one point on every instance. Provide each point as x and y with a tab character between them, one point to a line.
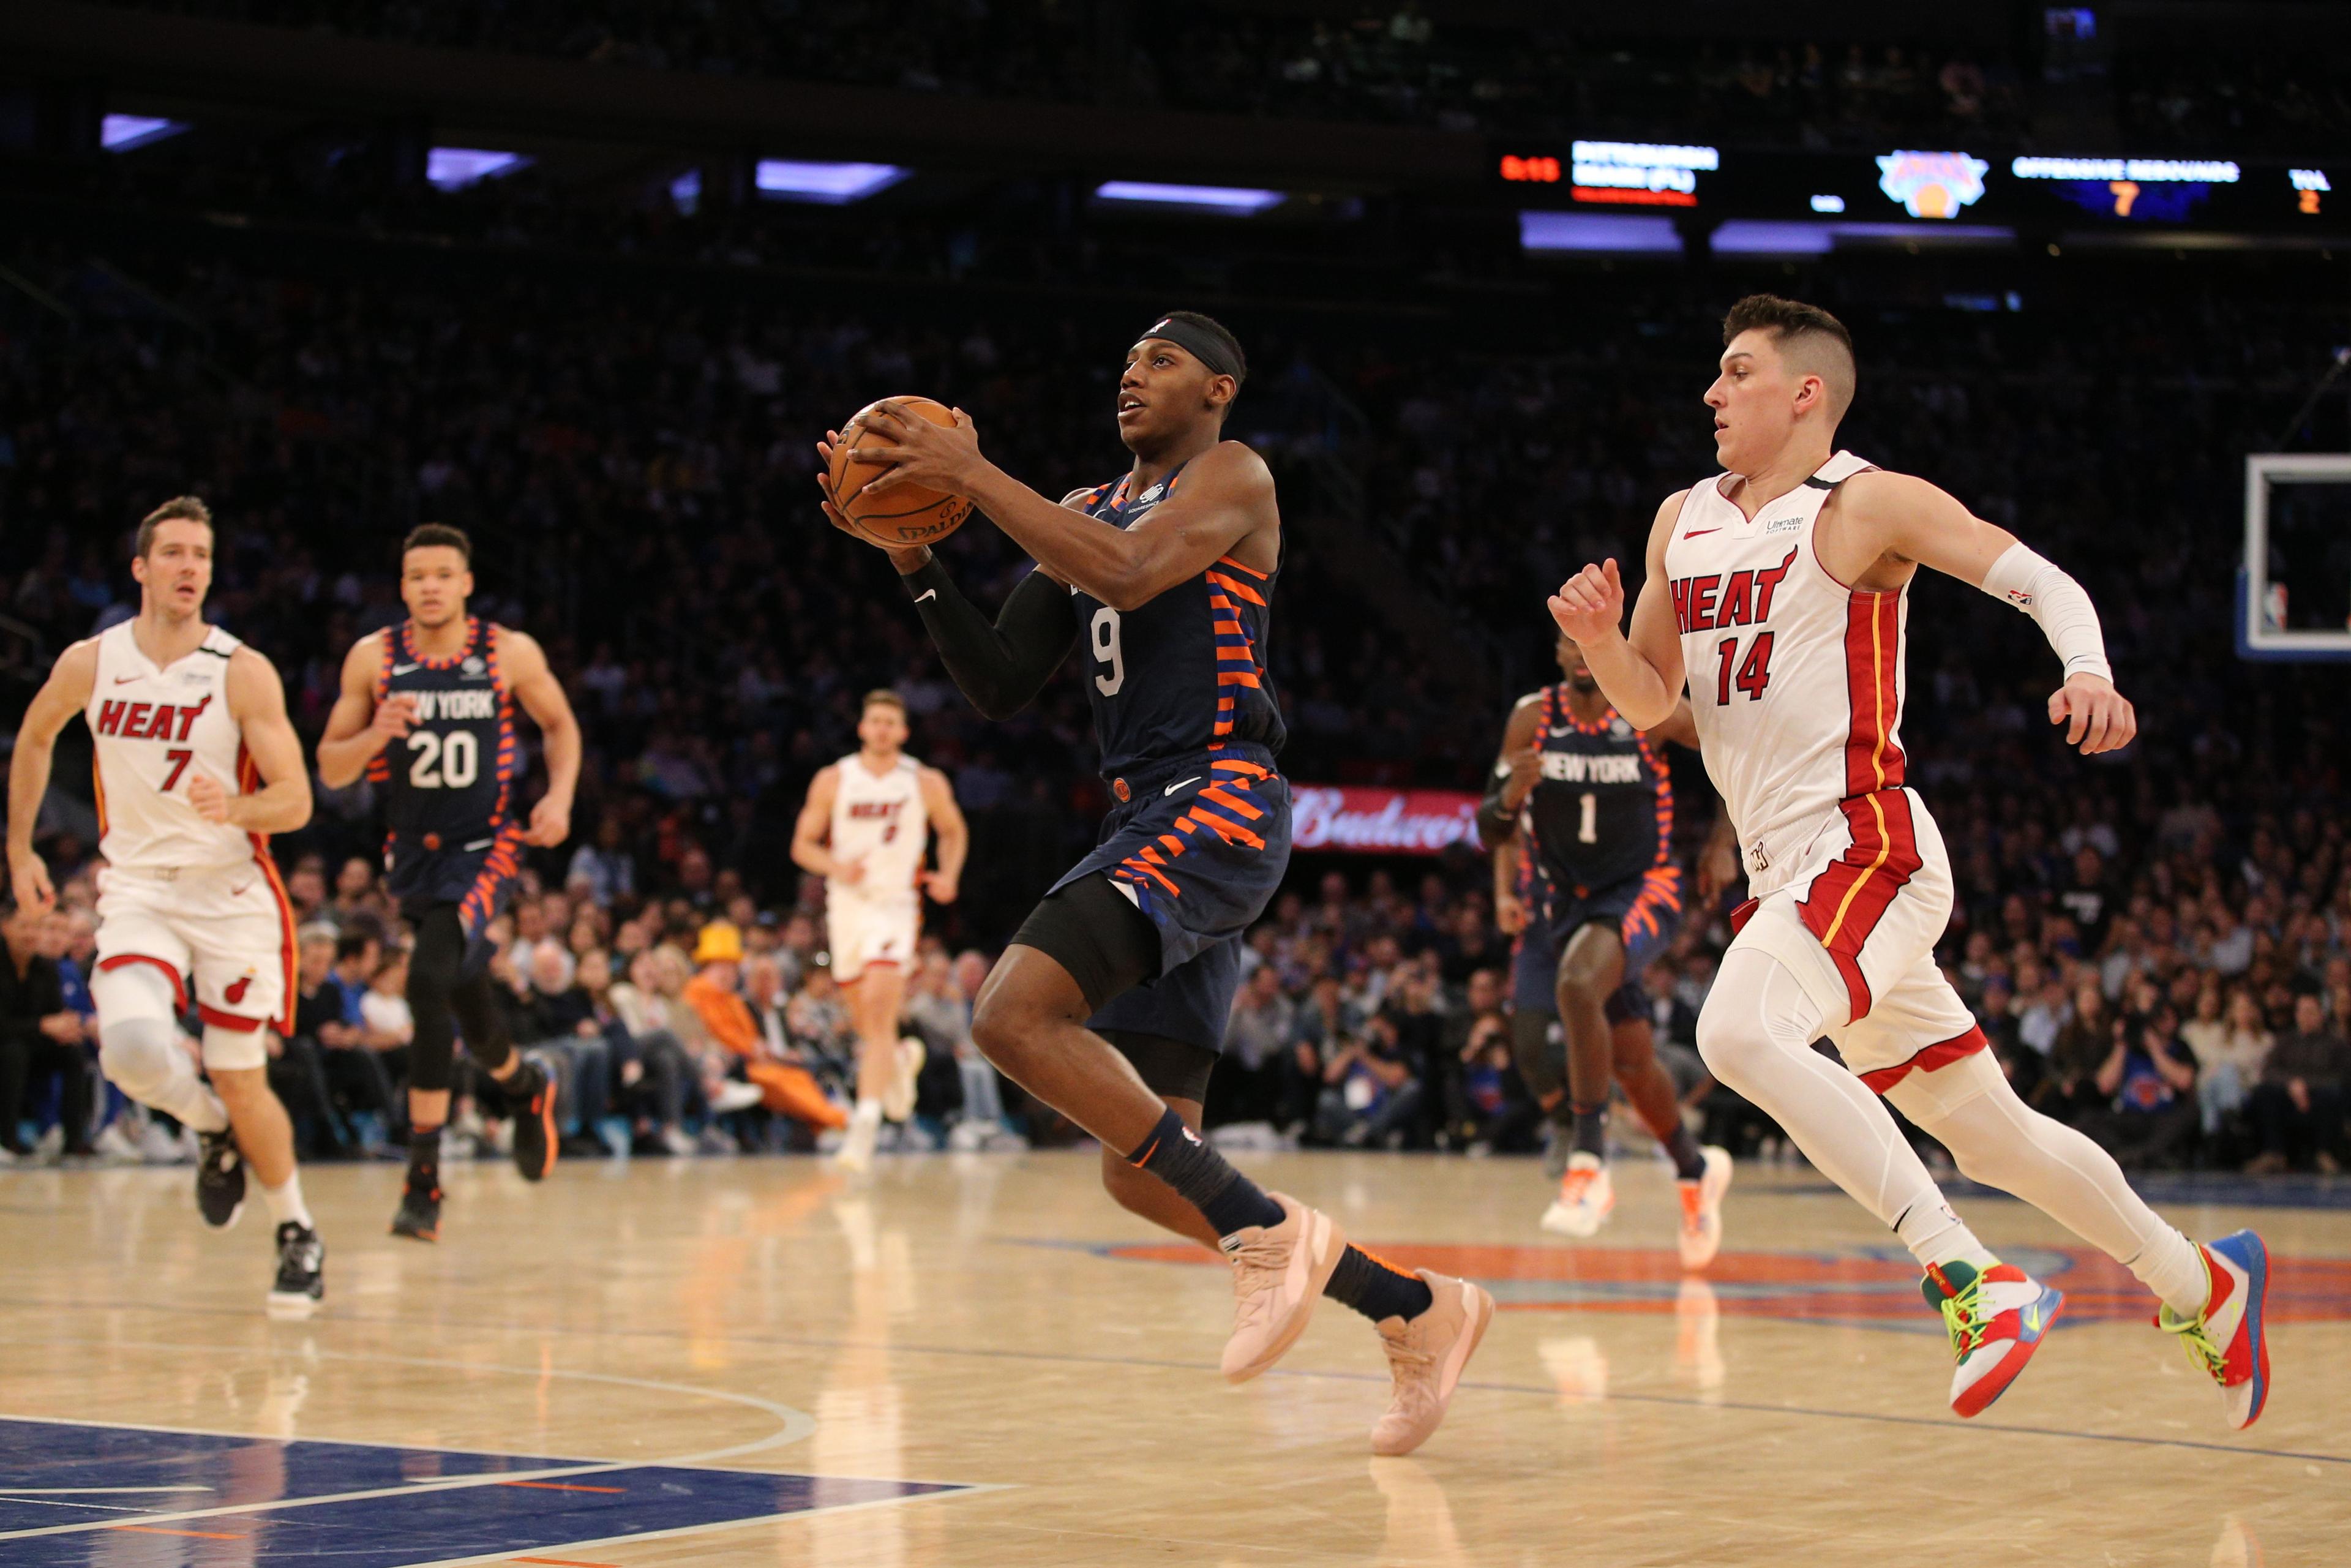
1928	186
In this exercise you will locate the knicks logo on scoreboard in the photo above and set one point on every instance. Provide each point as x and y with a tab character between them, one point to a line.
1932	184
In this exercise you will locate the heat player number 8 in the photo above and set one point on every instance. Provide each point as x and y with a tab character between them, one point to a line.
451	761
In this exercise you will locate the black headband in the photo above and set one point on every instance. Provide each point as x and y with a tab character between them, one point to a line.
1202	345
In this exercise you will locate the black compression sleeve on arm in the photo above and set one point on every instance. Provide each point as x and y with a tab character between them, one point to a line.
999	668
1494	822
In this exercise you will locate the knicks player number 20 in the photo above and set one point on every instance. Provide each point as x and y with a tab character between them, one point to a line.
1754	671
451	761
1106	648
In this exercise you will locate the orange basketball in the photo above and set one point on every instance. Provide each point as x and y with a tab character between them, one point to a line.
899	518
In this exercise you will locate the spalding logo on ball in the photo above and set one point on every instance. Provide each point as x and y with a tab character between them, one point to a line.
906	514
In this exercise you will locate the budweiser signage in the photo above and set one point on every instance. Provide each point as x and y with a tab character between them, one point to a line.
1371	819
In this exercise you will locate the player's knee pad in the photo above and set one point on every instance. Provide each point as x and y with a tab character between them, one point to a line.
142	1056
130	992
235	1049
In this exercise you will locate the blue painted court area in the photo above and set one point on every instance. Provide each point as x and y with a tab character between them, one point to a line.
194	1499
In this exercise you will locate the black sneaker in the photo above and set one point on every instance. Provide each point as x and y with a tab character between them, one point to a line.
420	1206
301	1271
536	1140
220	1179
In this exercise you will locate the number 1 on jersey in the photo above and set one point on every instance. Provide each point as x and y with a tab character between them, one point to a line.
1754	672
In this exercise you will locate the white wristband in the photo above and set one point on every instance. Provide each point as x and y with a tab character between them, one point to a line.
2063	610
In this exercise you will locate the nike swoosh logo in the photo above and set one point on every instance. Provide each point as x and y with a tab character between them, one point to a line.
1178	785
2033	1319
480	844
1698	533
126	680
239	891
404	669
926	593
1556	734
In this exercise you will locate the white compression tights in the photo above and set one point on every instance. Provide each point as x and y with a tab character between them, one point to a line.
139	1048
1998	1140
1756	1034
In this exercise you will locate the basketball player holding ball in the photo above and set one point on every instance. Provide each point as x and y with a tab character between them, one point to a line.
1778	592
1110	1004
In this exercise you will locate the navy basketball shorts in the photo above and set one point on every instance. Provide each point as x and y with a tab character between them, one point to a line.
479	877
1200	844
1647	911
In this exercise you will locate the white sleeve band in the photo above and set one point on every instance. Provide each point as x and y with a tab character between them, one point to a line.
2067	618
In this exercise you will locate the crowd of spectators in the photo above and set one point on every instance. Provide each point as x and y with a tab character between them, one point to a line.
1394	63
635	455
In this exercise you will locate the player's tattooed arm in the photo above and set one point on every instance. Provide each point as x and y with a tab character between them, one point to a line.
256	699
1641	674
524	663
954	835
358	726
65	694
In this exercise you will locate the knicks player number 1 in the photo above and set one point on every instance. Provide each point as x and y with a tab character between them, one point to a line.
1106	648
1754	673
452	761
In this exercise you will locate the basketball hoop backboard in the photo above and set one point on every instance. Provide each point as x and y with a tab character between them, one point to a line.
2294	591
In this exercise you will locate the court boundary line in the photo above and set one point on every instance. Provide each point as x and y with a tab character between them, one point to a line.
953	1489
796	1425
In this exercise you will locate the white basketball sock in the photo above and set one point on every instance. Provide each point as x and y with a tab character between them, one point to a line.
285	1203
1997	1139
1755	1034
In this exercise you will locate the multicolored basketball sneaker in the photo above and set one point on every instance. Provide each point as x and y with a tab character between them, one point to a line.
1996	1319
2228	1339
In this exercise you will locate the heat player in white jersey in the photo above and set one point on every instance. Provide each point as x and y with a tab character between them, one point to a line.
1778	591
196	767
864	828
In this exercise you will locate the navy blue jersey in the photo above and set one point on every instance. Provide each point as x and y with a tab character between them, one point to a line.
1602	807
1185	673
446	783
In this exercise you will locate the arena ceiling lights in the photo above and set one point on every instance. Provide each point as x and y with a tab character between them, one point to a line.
122	132
828	184
454	168
1234	200
1594	233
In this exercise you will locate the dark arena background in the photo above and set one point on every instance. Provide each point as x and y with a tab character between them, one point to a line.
589	281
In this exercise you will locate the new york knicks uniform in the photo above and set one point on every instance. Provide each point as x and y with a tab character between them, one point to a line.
1199	833
880	821
199	900
1597	831
1796	683
448	783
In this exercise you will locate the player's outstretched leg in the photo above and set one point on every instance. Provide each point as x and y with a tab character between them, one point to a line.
1756	1033
1701	1175
1591	970
1029	1021
2213	1297
1429	1324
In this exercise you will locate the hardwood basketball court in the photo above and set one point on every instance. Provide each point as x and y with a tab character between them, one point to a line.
978	1361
